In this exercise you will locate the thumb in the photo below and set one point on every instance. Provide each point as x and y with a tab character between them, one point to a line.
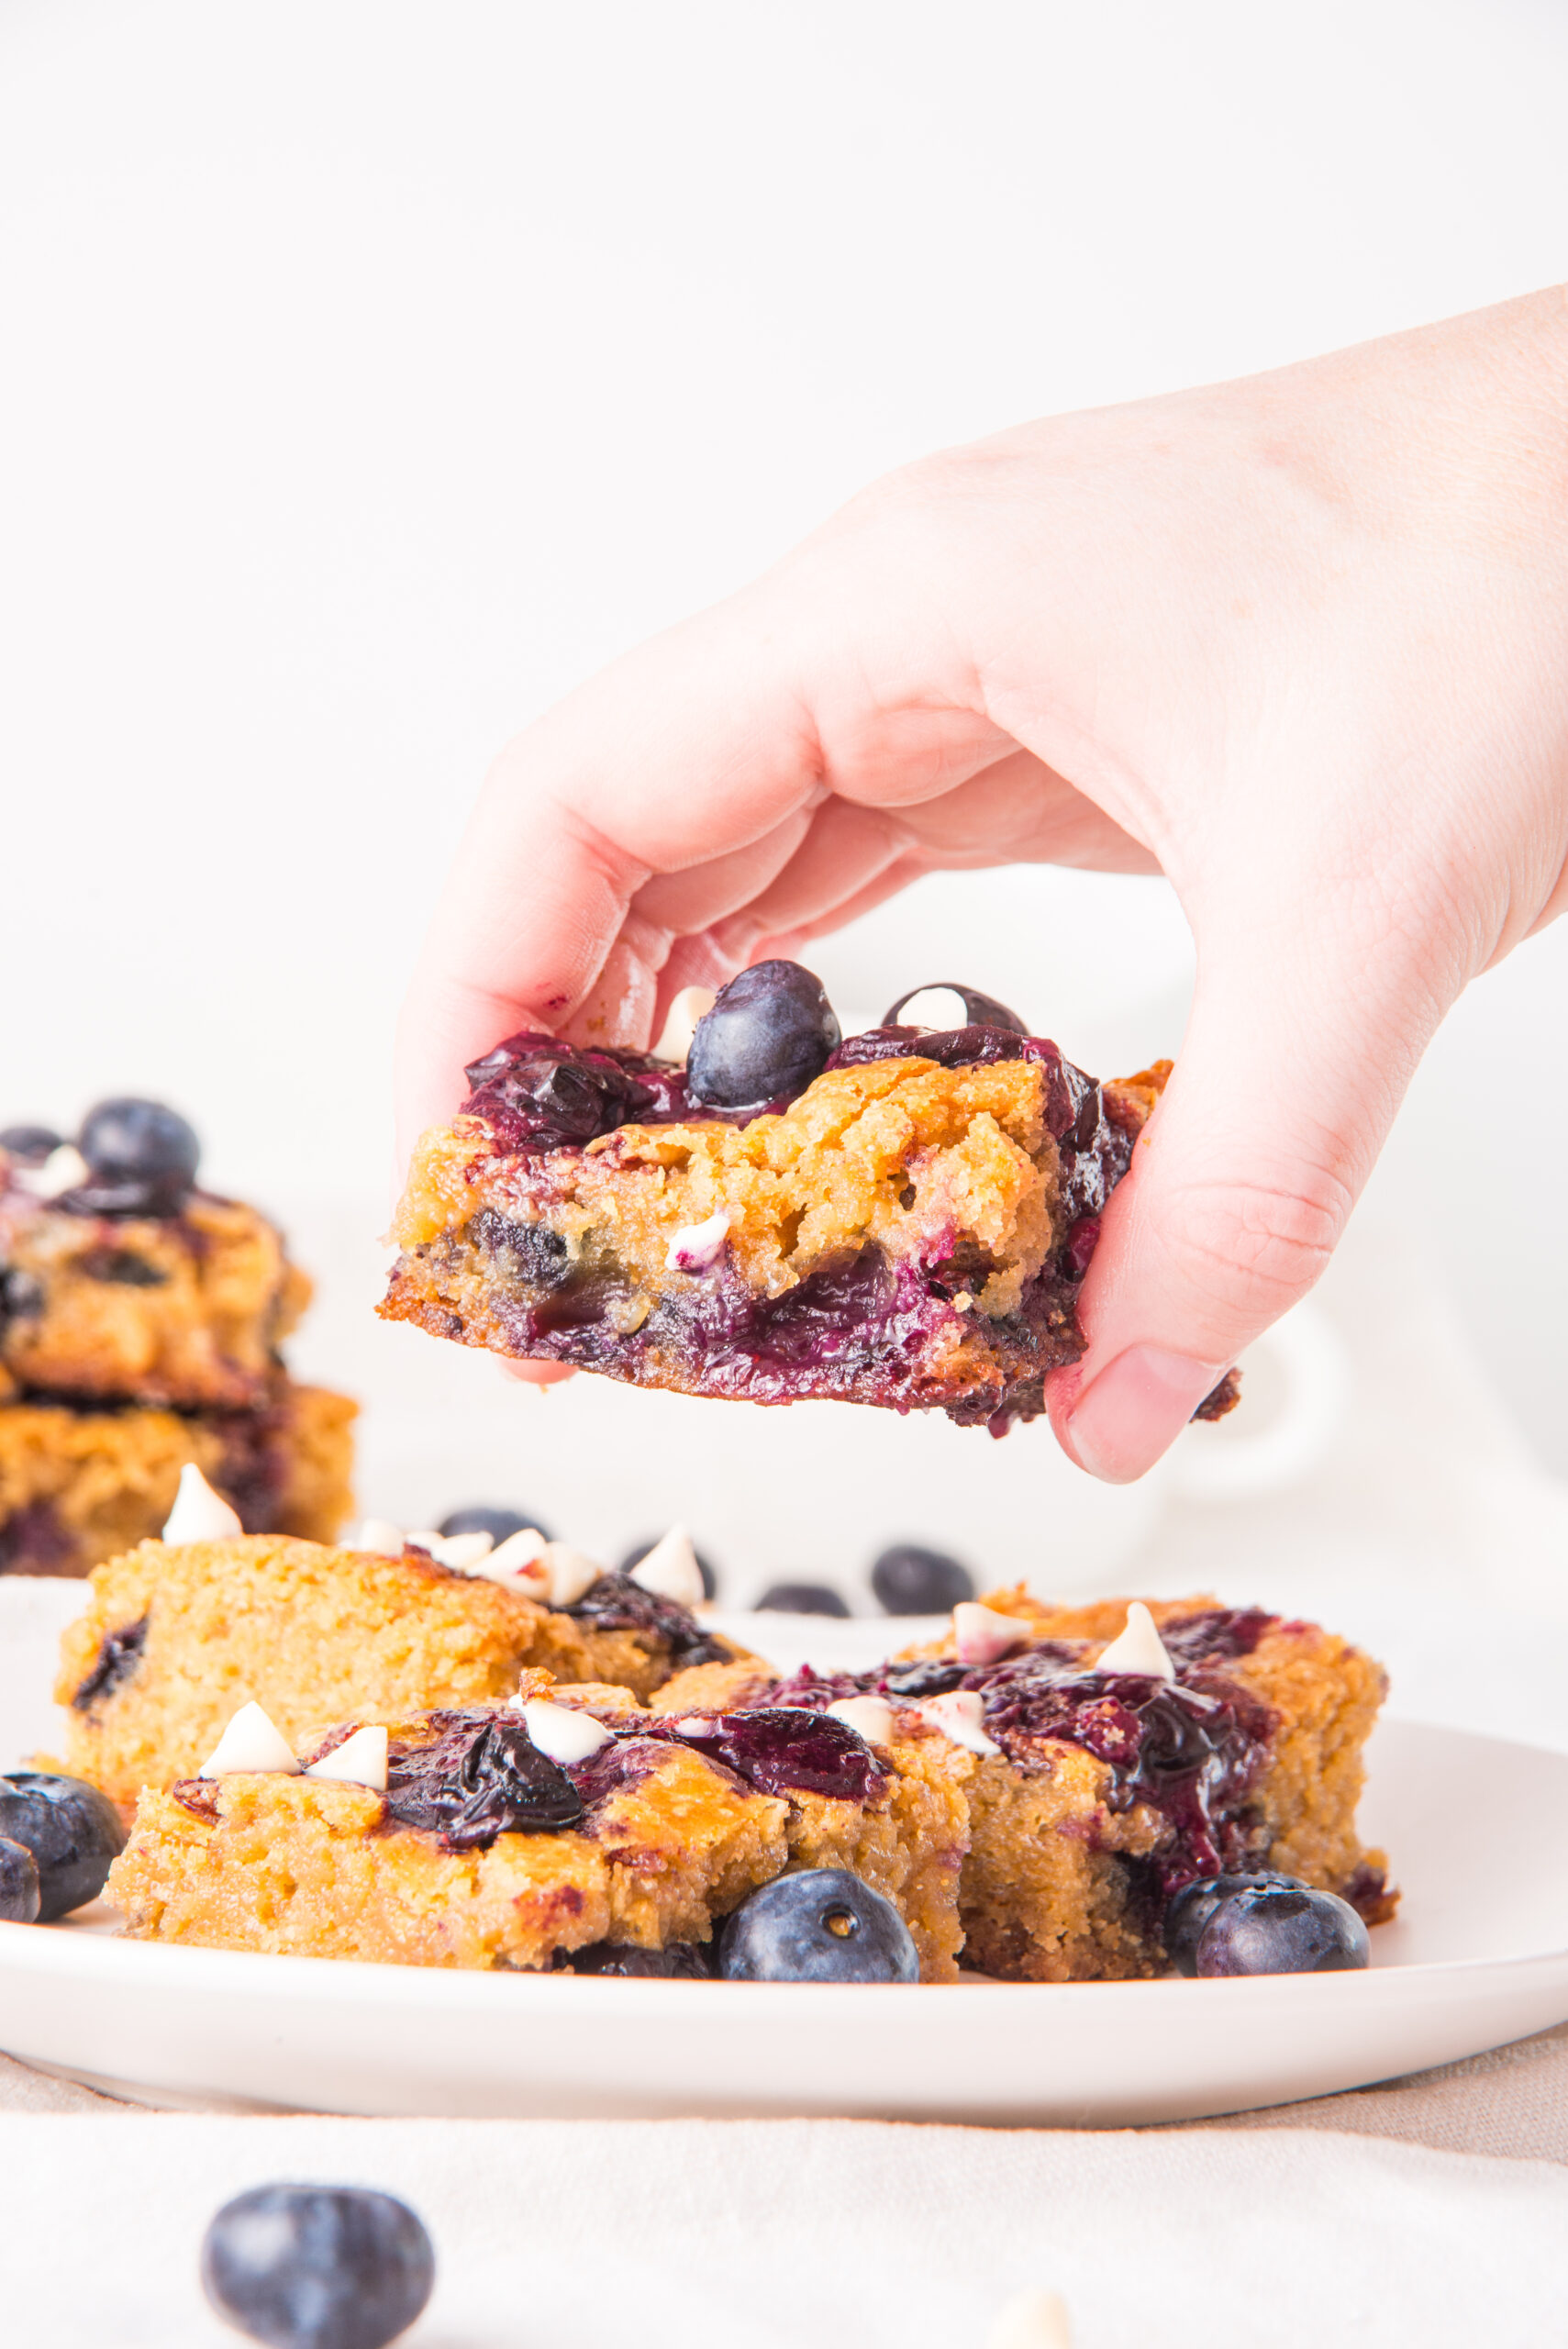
1241	1185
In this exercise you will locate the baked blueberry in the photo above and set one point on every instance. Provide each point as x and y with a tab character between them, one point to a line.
802	1598
318	2266
769	1034
29	1145
142	1158
909	1580
499	1523
1190	1909
979	1010
71	1830
681	1961
706	1567
1268	1929
19	1901
823	1925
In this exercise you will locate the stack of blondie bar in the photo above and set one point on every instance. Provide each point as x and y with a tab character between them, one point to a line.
141	1318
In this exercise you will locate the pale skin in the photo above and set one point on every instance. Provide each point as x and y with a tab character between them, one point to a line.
1299	642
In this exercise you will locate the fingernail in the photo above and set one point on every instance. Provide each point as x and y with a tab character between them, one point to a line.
1135	1408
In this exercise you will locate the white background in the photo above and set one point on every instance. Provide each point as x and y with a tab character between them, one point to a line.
375	372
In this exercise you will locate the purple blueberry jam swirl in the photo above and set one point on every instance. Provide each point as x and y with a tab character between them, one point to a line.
482	1776
617	1603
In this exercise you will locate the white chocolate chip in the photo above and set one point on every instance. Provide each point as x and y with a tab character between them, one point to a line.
1137	1647
680	1023
380	1537
869	1716
671	1569
937	1007
464	1553
359	1761
250	1742
572	1572
961	1715
697	1247
63	1169
199	1514
984	1636
521	1562
562	1733
1031	2320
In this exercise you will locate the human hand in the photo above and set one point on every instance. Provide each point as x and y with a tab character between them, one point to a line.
1300	644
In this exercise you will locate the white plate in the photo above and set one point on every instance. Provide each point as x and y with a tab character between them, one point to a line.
1478	1830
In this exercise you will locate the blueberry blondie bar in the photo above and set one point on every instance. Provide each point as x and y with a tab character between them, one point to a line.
905	1219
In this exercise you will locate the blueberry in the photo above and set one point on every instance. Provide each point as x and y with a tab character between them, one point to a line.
142	1158
802	1598
30	1144
769	1033
71	1830
19	1901
909	1580
499	1523
1190	1909
706	1567
679	1962
318	2266
979	1010
1270	1929
824	1925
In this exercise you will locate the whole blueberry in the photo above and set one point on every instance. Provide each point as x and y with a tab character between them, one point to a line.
979	1010
318	2266
824	1925
802	1598
679	1961
1190	1909
19	1901
71	1830
909	1580
499	1523
1268	1930
142	1158
29	1144
706	1567
769	1033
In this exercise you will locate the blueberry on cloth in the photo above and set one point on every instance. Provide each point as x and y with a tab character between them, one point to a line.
769	1033
1190	1909
979	1010
318	2266
823	1925
71	1830
30	1144
802	1598
18	1884
706	1567
909	1580
499	1523
1268	1930
142	1158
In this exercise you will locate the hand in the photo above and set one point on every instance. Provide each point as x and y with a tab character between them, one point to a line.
1300	642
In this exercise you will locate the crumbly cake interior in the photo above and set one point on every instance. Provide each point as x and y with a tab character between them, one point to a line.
177	1637
80	1483
906	1232
184	1309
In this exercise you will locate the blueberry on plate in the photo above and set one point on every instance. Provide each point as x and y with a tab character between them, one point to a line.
1267	1929
499	1523
1190	1909
909	1580
142	1158
318	2266
19	1901
30	1145
769	1033
706	1567
823	1925
71	1830
979	1010
679	1962
802	1598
